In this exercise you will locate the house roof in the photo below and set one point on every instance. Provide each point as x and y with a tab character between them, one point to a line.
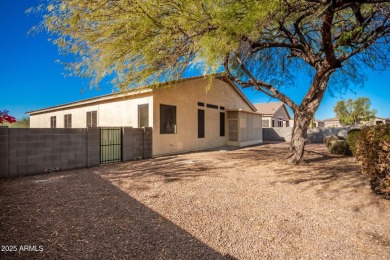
331	119
271	108
138	91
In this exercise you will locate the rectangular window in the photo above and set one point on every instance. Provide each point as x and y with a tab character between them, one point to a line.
287	124
200	123
222	108
68	121
53	122
201	104
273	123
143	115
280	122
221	124
168	119
92	119
212	106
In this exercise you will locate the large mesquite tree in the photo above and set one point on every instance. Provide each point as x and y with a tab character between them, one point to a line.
262	44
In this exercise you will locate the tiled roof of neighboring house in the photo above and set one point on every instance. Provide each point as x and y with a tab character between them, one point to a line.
270	108
138	91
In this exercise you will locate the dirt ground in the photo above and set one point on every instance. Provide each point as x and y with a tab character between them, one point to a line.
221	204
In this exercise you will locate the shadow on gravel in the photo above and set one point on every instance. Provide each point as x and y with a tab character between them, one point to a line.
82	216
329	174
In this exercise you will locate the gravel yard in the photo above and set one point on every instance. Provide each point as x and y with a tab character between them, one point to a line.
220	204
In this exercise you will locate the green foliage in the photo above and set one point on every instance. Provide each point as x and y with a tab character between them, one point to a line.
352	138
143	42
354	112
373	153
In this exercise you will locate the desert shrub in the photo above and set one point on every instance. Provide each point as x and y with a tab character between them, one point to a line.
381	185
328	139
373	153
338	146
352	137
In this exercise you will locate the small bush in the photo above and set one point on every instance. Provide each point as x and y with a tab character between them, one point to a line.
373	153
328	139
338	146
352	137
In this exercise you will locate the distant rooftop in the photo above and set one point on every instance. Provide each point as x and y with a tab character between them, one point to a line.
270	108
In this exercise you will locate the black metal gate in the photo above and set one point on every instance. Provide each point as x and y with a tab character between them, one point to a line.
110	144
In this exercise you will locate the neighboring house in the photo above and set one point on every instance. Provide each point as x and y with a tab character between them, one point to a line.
319	123
184	117
379	121
333	122
275	114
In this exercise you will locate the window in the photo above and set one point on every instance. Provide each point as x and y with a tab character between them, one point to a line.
201	104
200	123
287	123
92	119
167	119
143	115
273	123
212	106
68	121
53	122
221	124
280	122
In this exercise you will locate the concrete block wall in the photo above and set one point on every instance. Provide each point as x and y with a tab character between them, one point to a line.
93	146
137	143
277	134
33	151
25	151
317	135
3	152
314	135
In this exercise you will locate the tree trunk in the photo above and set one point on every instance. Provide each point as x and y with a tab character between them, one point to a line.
298	137
304	114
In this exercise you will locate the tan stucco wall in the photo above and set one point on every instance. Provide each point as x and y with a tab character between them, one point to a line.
185	96
119	112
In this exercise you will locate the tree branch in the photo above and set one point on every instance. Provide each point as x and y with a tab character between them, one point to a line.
259	85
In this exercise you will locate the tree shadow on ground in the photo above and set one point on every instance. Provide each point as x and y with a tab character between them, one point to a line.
329	174
81	215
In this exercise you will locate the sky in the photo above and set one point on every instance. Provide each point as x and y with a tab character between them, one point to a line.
30	77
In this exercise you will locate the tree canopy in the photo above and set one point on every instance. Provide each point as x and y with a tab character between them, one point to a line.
262	44
354	112
144	41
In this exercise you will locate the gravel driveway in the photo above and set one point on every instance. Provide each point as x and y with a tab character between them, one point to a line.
221	204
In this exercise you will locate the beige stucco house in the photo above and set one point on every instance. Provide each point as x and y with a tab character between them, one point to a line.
189	115
275	114
335	122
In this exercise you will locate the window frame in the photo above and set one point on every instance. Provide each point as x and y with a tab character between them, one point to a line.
53	123
201	123
222	122
90	123
147	114
175	119
68	121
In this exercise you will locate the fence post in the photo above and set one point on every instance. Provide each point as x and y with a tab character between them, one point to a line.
148	142
127	144
93	146
3	151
